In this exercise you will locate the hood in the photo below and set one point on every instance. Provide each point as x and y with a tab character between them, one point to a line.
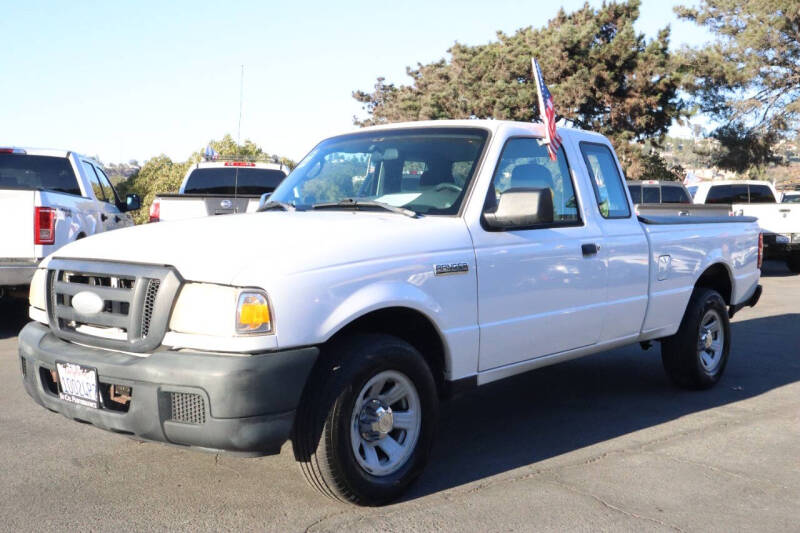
278	243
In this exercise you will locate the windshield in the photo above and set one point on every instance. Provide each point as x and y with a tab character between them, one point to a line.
425	170
18	171
254	181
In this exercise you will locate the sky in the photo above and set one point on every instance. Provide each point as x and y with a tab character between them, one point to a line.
130	80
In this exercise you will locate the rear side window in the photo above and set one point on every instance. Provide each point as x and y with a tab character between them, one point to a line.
761	194
225	180
673	194
636	193
606	180
20	171
727	194
650	195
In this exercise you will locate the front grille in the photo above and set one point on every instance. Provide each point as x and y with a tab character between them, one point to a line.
187	407
136	300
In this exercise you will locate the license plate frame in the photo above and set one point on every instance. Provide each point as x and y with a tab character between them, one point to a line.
78	384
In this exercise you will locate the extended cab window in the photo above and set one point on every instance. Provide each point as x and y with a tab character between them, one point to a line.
727	194
606	180
761	194
525	164
21	171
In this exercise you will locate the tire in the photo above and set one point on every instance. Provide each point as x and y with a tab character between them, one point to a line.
347	435
695	357
793	262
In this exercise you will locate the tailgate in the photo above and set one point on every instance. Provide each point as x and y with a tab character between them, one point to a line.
773	218
181	206
16	219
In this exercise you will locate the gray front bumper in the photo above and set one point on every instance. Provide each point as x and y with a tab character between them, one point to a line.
13	273
248	402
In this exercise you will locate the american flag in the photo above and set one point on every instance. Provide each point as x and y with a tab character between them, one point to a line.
547	111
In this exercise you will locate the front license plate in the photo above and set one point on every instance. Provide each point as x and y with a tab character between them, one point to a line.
78	384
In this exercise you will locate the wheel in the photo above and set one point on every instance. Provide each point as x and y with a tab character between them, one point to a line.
695	357
793	262
366	424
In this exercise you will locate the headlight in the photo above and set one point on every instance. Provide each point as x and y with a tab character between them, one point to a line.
208	309
37	297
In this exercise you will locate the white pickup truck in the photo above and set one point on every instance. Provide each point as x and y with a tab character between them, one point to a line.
49	198
780	222
219	188
403	263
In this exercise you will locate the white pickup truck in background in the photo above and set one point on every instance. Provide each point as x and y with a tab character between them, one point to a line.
664	198
219	188
404	262
49	198
780	222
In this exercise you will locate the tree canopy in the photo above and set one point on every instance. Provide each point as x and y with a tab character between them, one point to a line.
604	76
748	79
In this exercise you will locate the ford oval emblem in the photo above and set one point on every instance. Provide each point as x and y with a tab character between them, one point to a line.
226	204
87	303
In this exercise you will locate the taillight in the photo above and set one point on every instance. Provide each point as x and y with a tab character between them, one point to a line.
44	225
155	210
760	249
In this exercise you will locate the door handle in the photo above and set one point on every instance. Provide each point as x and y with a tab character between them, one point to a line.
103	217
116	218
590	249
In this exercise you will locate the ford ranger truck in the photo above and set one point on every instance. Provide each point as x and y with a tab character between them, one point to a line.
49	198
393	267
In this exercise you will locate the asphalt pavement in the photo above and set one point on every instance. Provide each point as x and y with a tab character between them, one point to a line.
600	443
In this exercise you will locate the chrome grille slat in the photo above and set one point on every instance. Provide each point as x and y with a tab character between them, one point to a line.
107	293
110	320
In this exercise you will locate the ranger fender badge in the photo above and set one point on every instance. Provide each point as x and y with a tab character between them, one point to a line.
450	268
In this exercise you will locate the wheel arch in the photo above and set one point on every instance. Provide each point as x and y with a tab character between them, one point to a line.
408	324
717	277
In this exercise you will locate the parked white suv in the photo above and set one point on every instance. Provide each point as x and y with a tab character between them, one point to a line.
394	266
49	198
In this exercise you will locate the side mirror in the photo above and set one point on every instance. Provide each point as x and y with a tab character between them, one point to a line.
520	208
263	200
132	202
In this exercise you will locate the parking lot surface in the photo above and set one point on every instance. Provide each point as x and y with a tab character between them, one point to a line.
601	443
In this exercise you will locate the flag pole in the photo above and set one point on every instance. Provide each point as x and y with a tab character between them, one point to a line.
537	77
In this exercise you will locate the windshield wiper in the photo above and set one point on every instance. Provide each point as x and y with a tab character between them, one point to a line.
274	204
352	203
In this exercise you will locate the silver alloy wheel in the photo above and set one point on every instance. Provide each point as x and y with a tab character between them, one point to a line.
385	423
710	341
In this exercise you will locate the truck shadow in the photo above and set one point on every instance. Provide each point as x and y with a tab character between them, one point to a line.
529	418
13	316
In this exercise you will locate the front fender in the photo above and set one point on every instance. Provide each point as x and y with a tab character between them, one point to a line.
376	296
